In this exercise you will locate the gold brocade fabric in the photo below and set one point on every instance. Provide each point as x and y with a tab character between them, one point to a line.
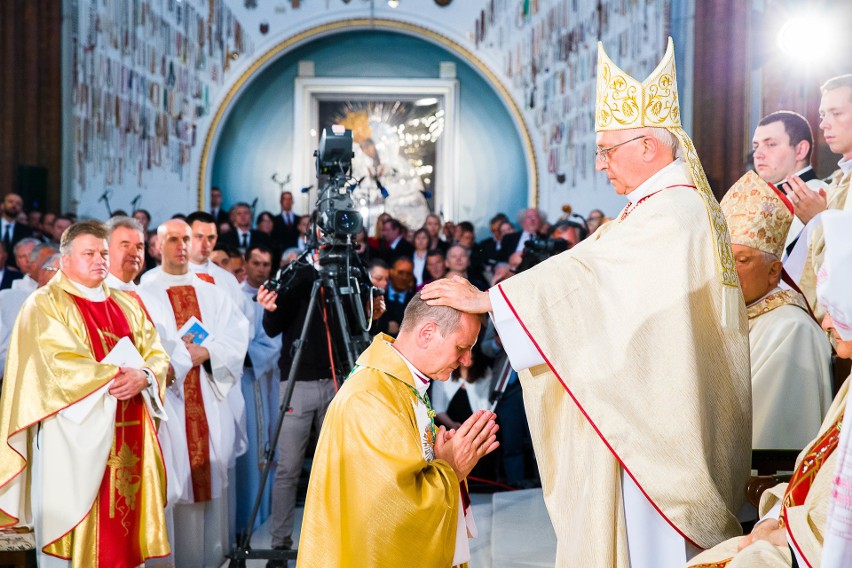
646	378
51	367
776	300
373	500
757	216
805	522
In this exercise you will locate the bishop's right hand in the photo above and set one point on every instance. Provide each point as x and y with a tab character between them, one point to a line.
457	293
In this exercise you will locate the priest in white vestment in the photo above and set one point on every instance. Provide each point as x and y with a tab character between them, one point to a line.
173	296
808	521
791	377
641	423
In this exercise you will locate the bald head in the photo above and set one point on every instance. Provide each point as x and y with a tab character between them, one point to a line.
175	238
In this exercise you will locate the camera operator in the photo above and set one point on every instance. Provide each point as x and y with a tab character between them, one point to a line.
285	313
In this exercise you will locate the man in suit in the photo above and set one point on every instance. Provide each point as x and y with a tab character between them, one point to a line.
216	209
243	236
400	290
393	234
285	227
531	222
10	230
7	275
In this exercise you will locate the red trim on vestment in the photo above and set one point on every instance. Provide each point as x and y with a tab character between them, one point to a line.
591	422
793	538
206	277
783	197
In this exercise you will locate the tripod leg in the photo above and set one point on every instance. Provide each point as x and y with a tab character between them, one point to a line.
285	404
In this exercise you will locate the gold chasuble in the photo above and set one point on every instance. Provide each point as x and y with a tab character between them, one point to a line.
373	499
115	516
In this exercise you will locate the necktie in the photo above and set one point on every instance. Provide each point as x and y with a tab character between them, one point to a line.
245	240
7	238
289	220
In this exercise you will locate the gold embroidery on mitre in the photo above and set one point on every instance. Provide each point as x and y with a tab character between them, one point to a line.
757	216
623	102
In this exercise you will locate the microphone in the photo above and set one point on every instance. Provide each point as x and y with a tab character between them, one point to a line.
307	189
135	202
105	195
427	194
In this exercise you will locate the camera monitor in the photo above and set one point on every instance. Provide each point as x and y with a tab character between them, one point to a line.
334	154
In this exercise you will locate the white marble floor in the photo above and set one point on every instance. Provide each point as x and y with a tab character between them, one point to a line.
514	532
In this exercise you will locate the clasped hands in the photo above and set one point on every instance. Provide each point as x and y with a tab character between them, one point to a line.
128	383
463	448
770	530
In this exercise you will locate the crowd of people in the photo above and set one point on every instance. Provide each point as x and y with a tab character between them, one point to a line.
144	369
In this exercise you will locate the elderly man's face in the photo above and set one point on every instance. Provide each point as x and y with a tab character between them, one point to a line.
844	348
620	163
531	221
22	257
127	253
757	276
88	261
446	354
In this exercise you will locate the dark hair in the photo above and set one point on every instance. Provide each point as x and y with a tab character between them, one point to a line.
466	226
378	262
582	230
264	214
180	216
241	204
498	217
422	231
396	225
795	125
259	248
202	217
436	252
144	212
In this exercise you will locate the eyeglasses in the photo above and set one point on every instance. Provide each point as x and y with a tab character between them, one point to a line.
603	153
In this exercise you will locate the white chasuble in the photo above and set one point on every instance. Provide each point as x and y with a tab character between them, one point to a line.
791	377
646	387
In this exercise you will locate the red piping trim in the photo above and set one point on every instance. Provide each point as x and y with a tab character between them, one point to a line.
796	544
592	423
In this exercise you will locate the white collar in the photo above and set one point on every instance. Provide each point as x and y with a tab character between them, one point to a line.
415	374
113	281
395	242
845	164
204	267
650	185
170	280
797	174
95	294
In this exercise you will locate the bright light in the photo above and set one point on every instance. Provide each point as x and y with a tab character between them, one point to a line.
428	101
808	38
393	3
313	132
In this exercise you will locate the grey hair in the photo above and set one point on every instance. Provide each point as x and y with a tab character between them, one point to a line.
541	214
125	222
836	83
34	254
665	137
24	242
447	319
52	261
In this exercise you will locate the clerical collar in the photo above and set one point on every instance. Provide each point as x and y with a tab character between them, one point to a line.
846	165
178	279
421	381
113	281
806	174
203	267
649	186
95	294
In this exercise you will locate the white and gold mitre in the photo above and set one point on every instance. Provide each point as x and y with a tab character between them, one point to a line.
757	215
623	102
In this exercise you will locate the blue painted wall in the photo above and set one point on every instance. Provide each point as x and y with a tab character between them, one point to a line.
256	139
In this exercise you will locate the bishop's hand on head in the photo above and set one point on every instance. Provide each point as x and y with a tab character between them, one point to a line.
457	293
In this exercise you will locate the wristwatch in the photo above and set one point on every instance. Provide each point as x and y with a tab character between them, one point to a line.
151	380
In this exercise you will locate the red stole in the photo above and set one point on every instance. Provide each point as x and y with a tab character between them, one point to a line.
206	277
135	296
120	527
185	305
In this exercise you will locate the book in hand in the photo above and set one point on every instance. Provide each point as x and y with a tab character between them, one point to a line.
193	331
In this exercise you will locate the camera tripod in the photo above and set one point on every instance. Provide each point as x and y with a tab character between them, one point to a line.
329	288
